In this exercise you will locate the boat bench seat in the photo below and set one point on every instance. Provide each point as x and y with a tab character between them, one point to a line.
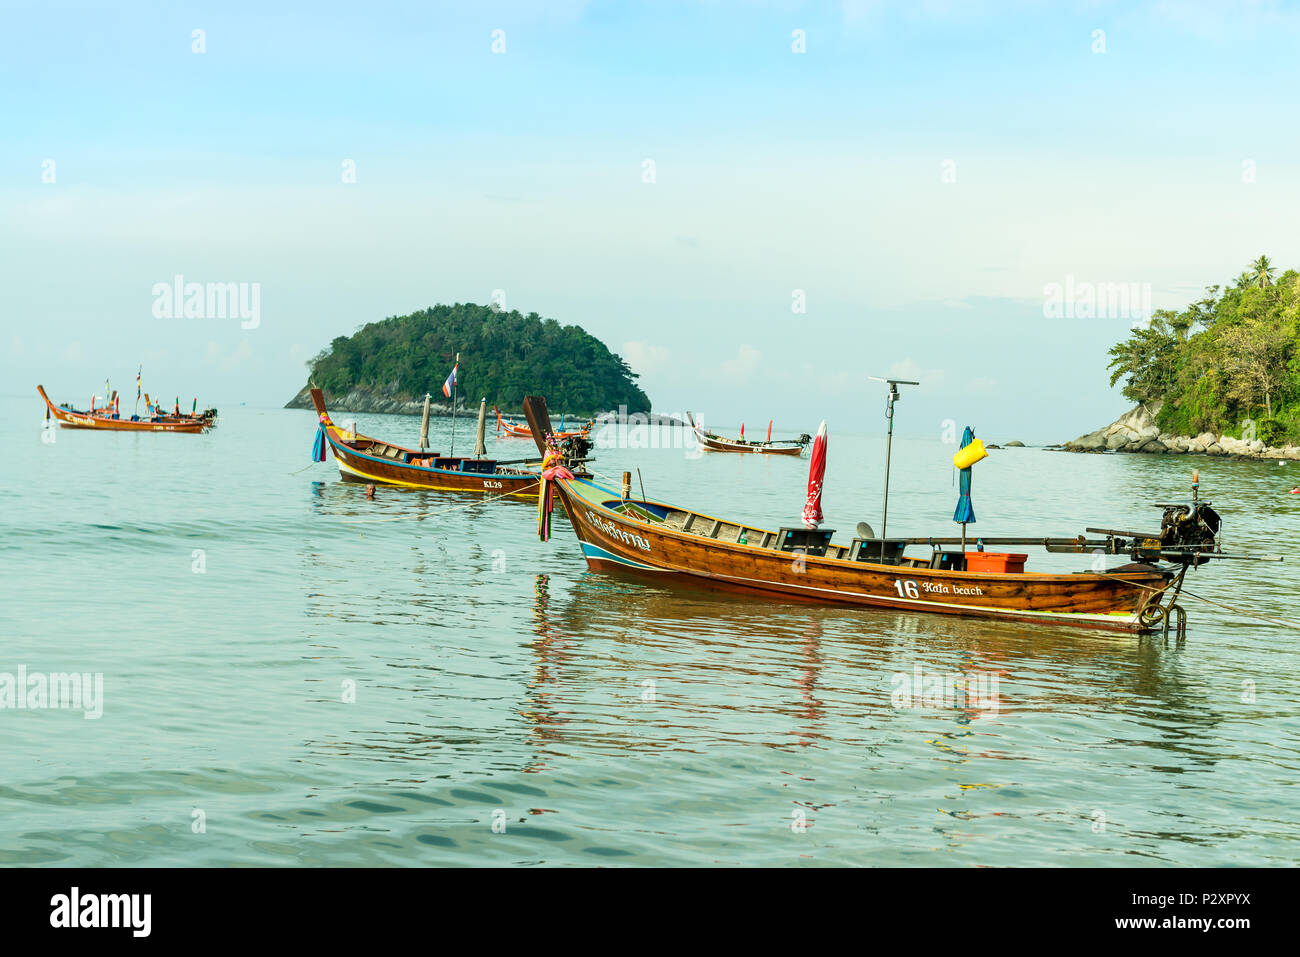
718	530
681	521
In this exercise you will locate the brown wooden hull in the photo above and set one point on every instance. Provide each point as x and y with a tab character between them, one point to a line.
714	443
524	432
70	419
613	541
358	461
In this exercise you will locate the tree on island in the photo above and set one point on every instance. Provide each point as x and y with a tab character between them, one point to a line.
503	357
1261	271
1228	363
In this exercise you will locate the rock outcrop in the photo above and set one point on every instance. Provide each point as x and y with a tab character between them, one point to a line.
1137	431
362	400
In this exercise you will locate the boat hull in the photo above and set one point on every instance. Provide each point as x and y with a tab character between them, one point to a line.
613	542
70	419
716	443
357	465
713	443
514	431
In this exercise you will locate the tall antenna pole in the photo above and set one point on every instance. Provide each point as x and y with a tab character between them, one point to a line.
889	440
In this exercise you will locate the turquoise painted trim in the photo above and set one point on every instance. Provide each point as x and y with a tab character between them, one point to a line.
595	551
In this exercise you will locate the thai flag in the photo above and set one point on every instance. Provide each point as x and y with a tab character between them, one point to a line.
451	381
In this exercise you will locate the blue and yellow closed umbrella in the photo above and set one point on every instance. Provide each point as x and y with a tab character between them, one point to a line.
970	452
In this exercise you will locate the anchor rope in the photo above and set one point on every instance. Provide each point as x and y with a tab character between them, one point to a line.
1295	625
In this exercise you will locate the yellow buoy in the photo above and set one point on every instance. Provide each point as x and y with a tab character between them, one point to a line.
971	454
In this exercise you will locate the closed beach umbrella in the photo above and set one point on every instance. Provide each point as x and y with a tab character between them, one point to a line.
480	448
424	424
965	511
812	509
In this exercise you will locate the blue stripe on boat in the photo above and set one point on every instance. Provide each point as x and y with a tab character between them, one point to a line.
595	551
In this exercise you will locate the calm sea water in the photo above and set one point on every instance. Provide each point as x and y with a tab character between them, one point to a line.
233	595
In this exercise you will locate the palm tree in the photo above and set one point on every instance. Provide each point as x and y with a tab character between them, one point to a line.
1261	272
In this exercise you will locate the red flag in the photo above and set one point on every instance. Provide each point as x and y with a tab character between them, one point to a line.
812	509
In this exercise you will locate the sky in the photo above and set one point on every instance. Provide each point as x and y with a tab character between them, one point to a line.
758	204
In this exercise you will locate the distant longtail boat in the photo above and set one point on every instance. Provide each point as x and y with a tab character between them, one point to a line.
516	431
105	420
716	443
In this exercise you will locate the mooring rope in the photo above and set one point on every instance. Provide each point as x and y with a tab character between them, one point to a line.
1295	625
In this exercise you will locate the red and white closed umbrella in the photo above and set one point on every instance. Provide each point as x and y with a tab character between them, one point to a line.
812	509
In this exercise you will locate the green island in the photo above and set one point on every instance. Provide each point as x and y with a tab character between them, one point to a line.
1228	364
388	366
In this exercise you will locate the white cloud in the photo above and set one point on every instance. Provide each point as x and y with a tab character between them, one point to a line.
743	367
644	358
228	363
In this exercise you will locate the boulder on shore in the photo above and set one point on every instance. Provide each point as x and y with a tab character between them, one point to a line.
1137	431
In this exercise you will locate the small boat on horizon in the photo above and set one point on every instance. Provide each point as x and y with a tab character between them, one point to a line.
108	419
208	417
717	443
516	430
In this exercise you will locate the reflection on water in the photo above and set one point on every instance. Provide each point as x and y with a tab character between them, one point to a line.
417	679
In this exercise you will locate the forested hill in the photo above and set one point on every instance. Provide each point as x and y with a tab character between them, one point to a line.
503	357
1228	363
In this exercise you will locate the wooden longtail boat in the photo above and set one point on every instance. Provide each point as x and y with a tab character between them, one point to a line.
716	443
681	546
361	458
207	418
70	418
516	431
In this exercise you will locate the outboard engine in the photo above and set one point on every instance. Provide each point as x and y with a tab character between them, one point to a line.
1189	527
575	447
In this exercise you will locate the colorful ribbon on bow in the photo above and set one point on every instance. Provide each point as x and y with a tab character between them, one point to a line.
318	446
553	468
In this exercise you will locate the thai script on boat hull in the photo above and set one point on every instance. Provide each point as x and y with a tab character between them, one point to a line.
613	531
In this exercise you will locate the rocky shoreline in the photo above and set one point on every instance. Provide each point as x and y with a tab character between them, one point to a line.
1137	431
363	400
